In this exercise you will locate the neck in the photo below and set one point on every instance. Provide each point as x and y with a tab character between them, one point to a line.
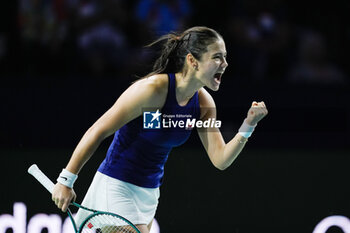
186	87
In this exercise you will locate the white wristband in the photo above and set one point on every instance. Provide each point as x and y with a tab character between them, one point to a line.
67	178
246	130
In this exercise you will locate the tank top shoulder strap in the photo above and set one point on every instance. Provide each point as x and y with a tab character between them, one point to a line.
171	98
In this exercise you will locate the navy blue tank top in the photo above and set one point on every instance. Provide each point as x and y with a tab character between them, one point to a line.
137	155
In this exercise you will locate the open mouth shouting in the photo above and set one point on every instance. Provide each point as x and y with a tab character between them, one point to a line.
217	78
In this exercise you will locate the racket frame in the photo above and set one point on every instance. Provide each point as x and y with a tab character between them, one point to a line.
49	185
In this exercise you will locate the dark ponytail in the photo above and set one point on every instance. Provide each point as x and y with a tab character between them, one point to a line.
176	47
165	62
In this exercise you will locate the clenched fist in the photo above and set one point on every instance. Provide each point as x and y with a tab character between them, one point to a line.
256	112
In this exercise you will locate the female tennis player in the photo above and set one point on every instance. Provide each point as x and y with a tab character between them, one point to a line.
128	180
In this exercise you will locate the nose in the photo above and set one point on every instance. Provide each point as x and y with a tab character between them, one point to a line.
224	63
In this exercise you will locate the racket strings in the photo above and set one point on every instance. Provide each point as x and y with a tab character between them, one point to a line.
104	223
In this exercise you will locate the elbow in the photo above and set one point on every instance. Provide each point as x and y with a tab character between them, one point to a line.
221	167
219	161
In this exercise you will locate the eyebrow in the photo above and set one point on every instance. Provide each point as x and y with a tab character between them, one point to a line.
219	53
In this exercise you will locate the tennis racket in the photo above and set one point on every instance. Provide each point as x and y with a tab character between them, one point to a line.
96	221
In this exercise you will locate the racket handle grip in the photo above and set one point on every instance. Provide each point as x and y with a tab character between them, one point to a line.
41	177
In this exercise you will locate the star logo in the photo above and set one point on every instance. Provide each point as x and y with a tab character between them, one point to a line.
156	115
151	120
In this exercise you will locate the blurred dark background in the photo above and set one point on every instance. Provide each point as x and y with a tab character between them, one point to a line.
63	63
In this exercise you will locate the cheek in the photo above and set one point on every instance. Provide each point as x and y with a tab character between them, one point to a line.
208	66
213	67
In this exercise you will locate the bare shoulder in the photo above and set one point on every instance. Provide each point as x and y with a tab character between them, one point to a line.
206	102
155	86
205	99
157	82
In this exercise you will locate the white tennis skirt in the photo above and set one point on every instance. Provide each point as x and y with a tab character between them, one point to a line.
135	203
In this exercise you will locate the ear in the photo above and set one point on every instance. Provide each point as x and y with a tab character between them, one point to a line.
191	61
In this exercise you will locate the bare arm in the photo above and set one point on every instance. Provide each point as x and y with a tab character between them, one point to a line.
145	93
220	153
